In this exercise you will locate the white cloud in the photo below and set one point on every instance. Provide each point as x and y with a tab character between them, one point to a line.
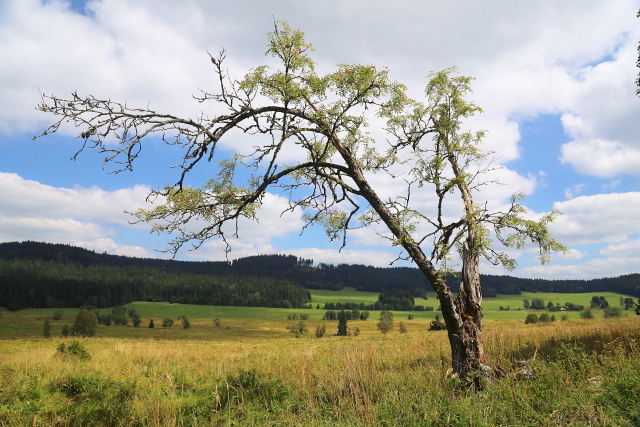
573	191
111	247
630	248
34	211
570	254
601	218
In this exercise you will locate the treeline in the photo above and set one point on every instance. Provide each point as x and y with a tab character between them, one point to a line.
50	284
69	274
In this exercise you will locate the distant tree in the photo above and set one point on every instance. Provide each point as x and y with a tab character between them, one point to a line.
217	322
564	317
628	303
167	323
46	329
586	314
553	318
364	315
612	312
151	325
355	314
525	304
385	323
185	322
57	315
437	325
550	306
85	324
343	329
298	328
321	330
403	328
544	318
65	331
531	318
599	302
410	317
136	320
537	304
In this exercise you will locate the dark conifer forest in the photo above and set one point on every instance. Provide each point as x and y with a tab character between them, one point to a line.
43	275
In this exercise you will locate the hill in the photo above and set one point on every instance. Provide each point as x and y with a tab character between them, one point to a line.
48	275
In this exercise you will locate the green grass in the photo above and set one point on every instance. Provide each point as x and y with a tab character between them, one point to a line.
159	311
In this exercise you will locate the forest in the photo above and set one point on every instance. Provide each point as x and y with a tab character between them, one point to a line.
43	275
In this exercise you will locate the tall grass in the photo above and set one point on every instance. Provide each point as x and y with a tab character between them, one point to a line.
585	373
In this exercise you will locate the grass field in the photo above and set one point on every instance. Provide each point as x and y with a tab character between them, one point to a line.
586	373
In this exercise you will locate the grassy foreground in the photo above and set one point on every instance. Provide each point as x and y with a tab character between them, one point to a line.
587	373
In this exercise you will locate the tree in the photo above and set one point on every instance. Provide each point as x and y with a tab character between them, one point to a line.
537	304
531	318
525	304
85	324
65	331
544	318
638	307
321	330
185	322
326	117
586	314
612	312
437	325
151	325
385	324
343	330
136	320
167	323
217	322
46	329
403	328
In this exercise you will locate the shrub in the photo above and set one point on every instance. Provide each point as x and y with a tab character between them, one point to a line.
403	328
531	318
74	349
321	330
612	312
437	325
85	324
564	317
249	386
46	329
586	314
410	317
151	325
544	318
185	322
537	304
167	323
342	324
364	315
217	322
385	324
354	332
57	315
65	331
298	328
136	320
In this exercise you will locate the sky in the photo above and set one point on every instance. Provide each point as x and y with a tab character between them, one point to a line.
555	80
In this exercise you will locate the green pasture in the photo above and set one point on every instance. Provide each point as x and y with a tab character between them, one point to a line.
159	311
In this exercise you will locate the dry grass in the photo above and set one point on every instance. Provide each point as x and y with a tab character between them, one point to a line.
364	380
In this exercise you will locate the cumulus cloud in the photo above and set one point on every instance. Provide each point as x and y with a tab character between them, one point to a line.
601	218
630	248
34	211
111	247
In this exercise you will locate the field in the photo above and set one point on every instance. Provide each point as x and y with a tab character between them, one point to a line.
252	371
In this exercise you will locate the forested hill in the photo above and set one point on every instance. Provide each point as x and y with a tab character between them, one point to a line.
41	274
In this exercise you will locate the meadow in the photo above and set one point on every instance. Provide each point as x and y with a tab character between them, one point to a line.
250	371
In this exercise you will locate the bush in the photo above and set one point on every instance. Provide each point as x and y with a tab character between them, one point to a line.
298	328
531	318
57	315
74	349
217	322
544	318
385	324
586	314
612	312
537	304
564	317
46	329
85	324
65	331
437	325
342	324
151	325
167	323
321	330
136	320
403	328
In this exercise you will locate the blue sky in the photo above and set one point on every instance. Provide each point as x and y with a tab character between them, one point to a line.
555	81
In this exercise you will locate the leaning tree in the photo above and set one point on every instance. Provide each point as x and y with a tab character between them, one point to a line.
326	117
